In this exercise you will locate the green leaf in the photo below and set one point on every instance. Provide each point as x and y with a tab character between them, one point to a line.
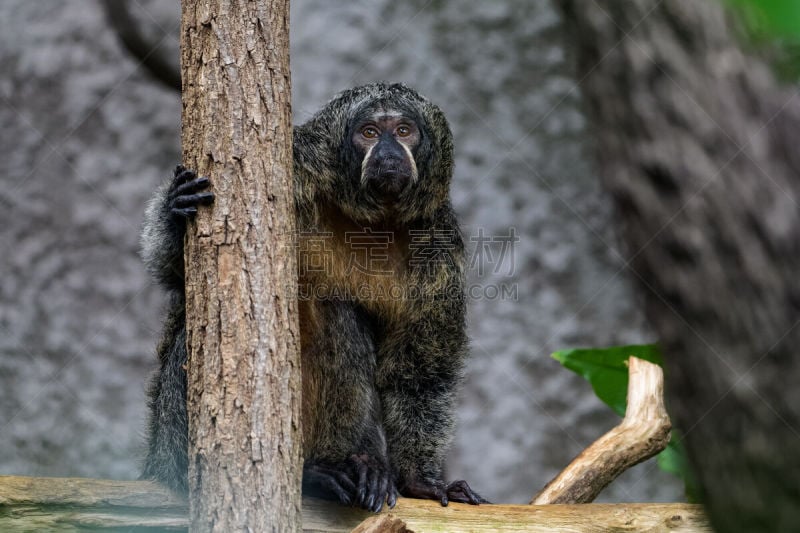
772	27
606	369
780	18
674	460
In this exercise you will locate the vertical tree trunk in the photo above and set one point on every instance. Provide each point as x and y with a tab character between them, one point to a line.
244	369
700	151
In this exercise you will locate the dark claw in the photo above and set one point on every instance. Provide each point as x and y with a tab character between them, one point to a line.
334	481
190	200
362	480
343	479
457	491
374	483
367	482
189	187
187	193
460	491
337	489
182	175
186	212
382	492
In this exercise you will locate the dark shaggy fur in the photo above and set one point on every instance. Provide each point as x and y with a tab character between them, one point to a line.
379	373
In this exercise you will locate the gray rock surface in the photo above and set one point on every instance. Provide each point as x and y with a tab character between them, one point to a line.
88	134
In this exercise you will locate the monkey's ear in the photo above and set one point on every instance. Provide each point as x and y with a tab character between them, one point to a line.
315	162
436	151
311	149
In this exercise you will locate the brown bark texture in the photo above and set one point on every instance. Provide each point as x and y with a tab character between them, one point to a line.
243	368
699	148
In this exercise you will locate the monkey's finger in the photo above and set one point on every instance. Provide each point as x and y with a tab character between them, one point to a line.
189	187
182	175
372	489
324	478
187	212
332	485
345	481
178	171
474	497
341	478
464	497
480	498
460	491
362	483
391	500
203	198
382	492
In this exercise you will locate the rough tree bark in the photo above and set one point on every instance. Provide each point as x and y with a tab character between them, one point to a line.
243	370
699	149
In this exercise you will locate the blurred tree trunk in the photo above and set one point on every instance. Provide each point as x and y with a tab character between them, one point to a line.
700	151
245	460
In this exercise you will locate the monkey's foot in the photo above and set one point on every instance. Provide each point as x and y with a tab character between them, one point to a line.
360	480
325	481
457	491
375	482
185	193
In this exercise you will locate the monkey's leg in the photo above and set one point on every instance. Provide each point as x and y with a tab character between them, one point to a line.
418	378
167	437
346	452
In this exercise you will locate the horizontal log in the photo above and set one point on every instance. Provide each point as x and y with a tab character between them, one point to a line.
75	504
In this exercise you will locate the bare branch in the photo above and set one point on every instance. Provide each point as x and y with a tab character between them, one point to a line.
149	55
644	432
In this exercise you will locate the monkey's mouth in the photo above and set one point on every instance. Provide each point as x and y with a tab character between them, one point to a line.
389	182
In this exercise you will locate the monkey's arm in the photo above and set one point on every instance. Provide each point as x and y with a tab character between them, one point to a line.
421	368
165	225
162	251
345	446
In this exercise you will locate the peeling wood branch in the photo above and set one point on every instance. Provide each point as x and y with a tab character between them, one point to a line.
644	432
424	516
70	504
75	504
382	523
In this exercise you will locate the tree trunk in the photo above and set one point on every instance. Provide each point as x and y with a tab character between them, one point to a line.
700	151
245	460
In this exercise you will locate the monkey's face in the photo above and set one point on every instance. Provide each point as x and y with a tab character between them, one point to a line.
386	142
378	152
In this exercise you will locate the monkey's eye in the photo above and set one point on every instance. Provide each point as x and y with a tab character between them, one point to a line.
403	131
369	132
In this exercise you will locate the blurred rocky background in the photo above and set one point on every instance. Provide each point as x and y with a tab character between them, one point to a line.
87	134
